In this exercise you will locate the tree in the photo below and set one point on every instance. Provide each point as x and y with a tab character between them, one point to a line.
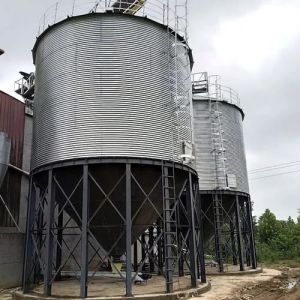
277	239
268	228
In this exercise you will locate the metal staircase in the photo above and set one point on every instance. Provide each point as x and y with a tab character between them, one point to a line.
26	88
169	222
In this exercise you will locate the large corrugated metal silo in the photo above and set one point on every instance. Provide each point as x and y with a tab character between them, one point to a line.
111	136
103	92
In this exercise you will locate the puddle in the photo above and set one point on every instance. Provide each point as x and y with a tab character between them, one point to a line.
292	283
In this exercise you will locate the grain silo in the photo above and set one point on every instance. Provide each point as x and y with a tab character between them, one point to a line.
222	171
112	143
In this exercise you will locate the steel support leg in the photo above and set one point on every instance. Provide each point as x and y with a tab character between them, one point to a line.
143	240
39	235
29	243
201	245
251	234
246	232
180	260
192	235
159	249
128	232
239	233
135	257
233	246
151	241
84	233
49	236
59	240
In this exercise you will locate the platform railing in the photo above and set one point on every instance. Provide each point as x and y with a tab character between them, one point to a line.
209	87
167	12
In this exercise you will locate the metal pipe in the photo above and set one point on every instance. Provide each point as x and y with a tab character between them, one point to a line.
18	169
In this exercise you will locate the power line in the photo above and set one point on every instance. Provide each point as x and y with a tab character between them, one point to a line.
273	168
272	175
282	165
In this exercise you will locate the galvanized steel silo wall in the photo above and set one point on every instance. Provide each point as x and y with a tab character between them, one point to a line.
232	118
104	89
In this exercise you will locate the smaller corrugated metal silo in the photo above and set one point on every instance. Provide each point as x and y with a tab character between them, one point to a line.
219	142
221	166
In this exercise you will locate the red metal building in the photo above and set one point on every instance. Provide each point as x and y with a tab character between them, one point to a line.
12	119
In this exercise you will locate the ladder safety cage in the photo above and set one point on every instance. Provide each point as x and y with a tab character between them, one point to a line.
180	83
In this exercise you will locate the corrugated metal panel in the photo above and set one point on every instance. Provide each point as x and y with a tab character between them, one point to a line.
4	155
10	192
234	144
205	163
12	118
103	89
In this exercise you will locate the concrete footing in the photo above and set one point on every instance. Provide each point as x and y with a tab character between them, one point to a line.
141	292
236	272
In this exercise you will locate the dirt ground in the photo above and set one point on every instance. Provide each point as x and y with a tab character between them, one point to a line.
283	284
269	285
6	294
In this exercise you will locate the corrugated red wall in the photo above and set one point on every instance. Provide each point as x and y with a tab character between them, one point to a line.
12	118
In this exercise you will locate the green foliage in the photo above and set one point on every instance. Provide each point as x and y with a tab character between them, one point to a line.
276	239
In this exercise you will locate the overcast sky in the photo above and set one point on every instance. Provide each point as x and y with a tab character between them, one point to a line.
253	44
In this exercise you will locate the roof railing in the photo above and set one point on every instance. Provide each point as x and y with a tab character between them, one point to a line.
167	12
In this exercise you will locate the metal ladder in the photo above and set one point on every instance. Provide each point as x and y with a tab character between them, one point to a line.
180	96
217	138
169	222
219	223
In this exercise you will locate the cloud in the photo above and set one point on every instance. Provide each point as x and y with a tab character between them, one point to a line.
257	37
254	45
